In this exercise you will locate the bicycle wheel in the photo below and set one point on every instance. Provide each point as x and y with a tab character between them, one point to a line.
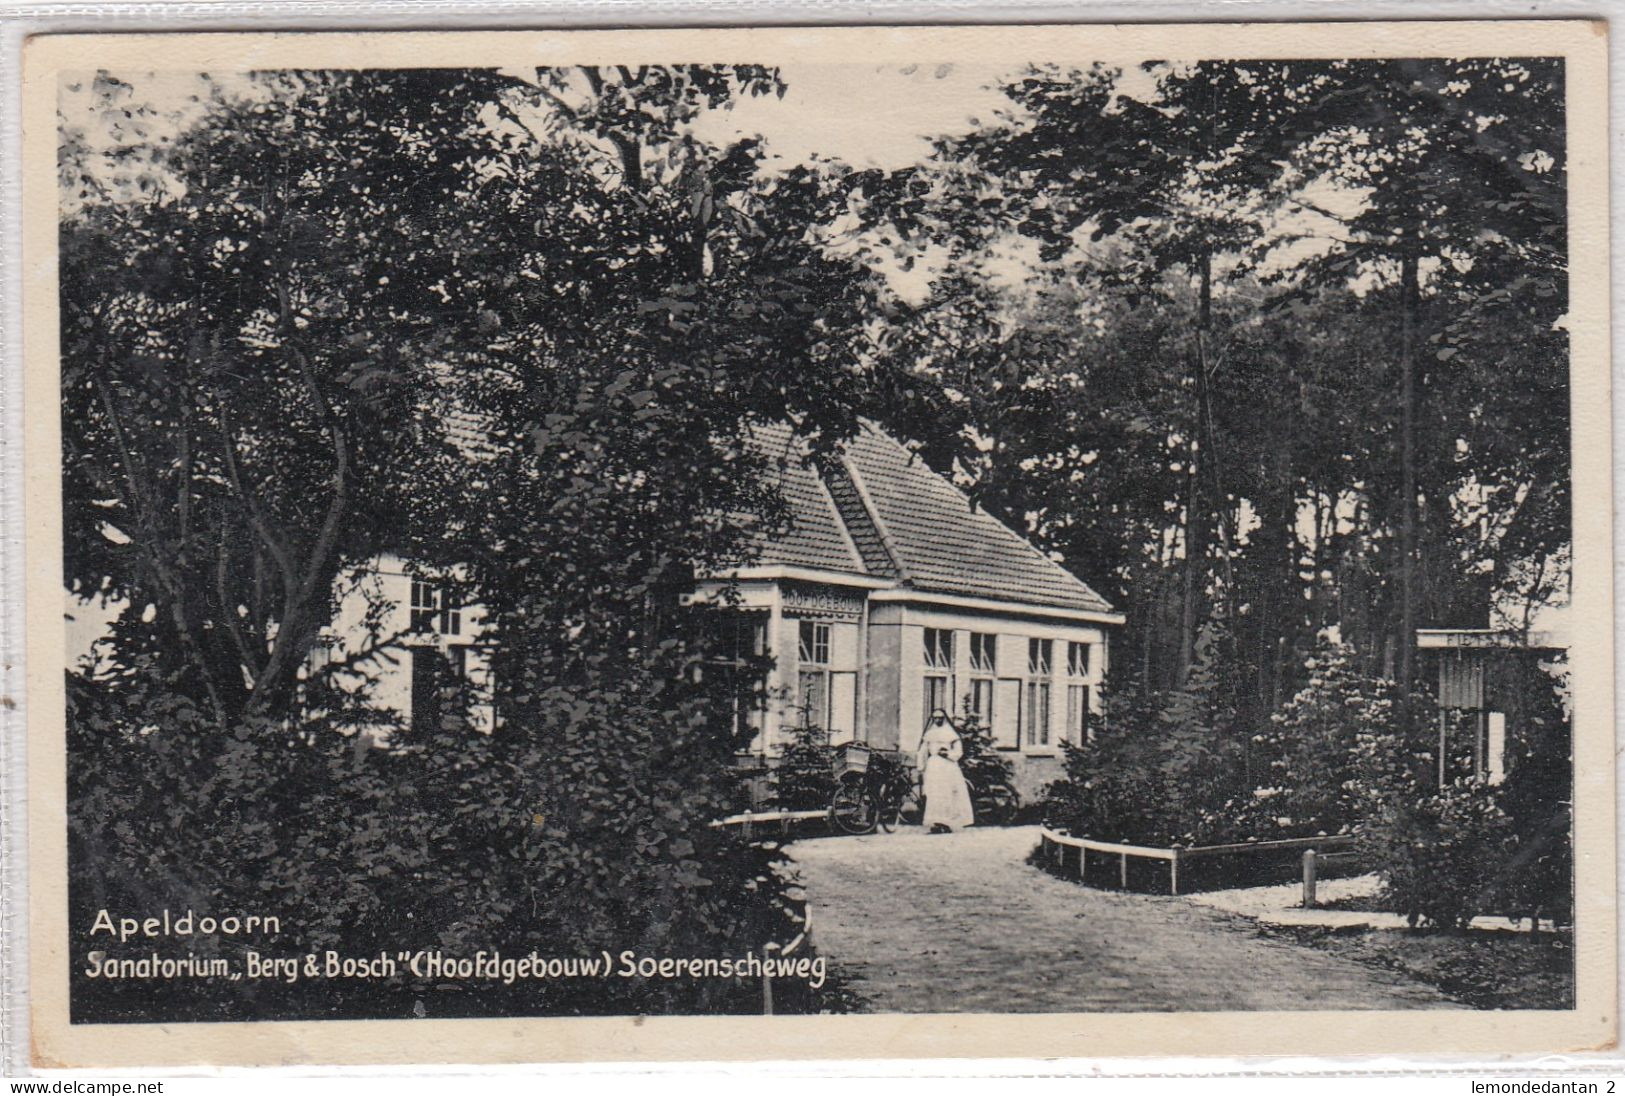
889	815
851	809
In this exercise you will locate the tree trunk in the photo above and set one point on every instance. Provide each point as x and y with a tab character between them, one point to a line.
1195	512
1406	639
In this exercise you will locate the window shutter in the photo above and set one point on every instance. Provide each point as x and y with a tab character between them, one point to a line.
1007	713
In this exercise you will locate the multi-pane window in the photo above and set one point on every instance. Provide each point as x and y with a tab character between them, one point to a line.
981	700
813	653
814	643
425	605
939	661
1040	658
435	609
984	653
1077	713
984	666
936	697
1077	693
735	643
433	672
1038	713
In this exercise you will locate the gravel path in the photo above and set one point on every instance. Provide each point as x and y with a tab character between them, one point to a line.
959	923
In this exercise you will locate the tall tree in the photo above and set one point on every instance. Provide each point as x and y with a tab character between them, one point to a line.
1329	236
249	324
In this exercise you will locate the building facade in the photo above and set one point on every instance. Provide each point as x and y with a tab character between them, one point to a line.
400	634
891	596
887	597
1478	682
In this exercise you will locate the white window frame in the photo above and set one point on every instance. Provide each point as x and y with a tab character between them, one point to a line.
433	610
1078	723
1079	659
1076	666
1038	698
813	658
938	656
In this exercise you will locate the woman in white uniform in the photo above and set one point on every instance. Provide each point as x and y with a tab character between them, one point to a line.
947	797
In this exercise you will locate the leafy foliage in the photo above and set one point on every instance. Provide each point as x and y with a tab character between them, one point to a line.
1166	770
1441	856
1472	848
804	777
1312	748
522	325
1196	397
531	322
987	770
1538	797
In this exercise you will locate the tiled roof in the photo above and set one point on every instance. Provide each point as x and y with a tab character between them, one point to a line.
817	537
885	513
859	521
882	513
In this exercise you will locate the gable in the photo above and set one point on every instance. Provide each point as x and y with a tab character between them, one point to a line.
884	513
817	538
943	543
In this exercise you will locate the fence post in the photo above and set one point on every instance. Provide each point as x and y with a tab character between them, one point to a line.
1173	873
1123	870
1309	878
1083	864
768	952
1060	856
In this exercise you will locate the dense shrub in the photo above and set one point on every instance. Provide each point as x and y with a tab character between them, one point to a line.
1472	848
1538	796
447	839
1442	857
804	778
1161	768
1343	755
987	771
1310	752
613	455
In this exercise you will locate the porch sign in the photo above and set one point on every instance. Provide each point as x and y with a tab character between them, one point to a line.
821	603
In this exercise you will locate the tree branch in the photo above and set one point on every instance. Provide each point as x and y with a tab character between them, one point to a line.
258	518
227	610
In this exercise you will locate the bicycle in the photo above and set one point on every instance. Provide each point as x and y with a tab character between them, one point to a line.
879	790
874	791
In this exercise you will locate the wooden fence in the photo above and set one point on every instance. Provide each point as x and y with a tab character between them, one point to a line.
802	939
1055	844
750	821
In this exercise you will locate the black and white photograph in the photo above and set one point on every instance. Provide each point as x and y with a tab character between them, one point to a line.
800	535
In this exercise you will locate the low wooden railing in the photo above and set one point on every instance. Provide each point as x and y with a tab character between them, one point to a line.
774	951
749	820
1175	855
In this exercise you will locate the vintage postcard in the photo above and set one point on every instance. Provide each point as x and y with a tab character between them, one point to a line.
961	541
